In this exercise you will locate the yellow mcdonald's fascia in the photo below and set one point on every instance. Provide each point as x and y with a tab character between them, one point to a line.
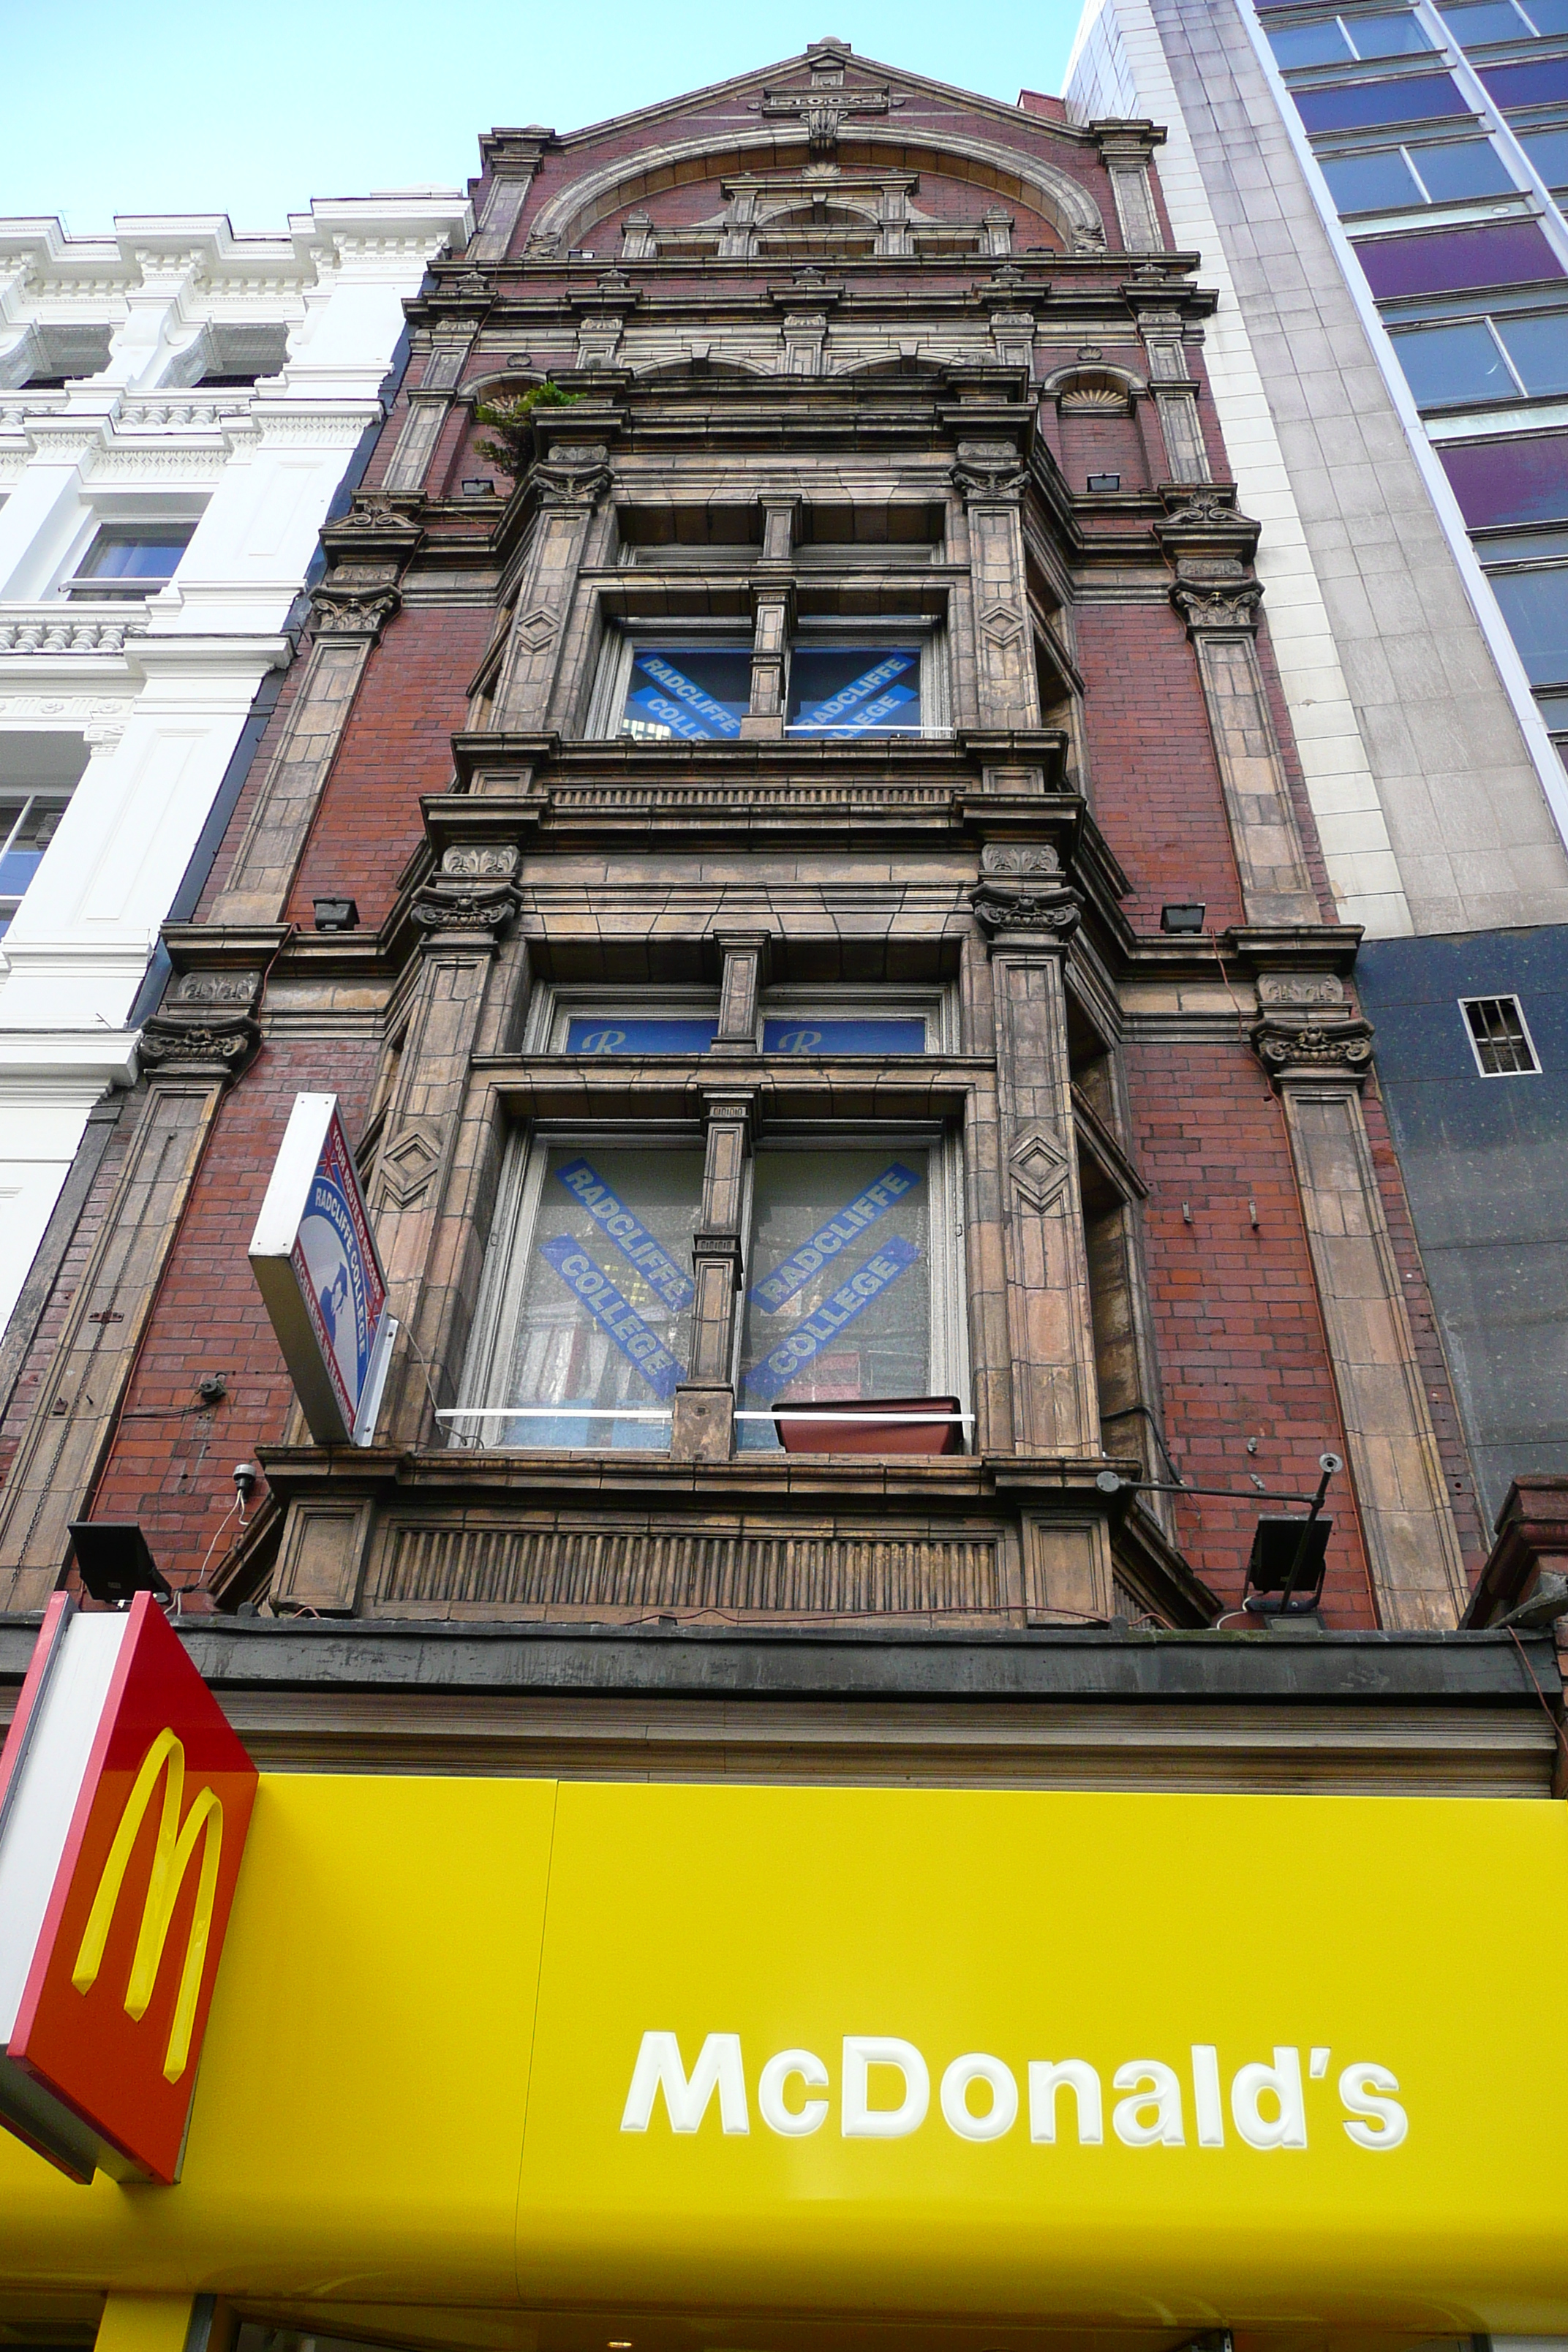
434	1992
172	1858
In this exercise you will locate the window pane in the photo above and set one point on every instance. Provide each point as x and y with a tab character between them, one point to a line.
1450	260
844	690
1548	151
1413	97
1398	36
1520	480
1492	20
804	1035
1529	85
1470	167
26	829
1548	15
124	555
605	1313
1454	363
1535	606
608	1034
1310	45
1523	546
687	693
839	1309
1365	183
1539	350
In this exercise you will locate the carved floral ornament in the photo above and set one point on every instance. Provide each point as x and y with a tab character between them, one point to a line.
988	470
1021	890
351	610
575	474
1219	608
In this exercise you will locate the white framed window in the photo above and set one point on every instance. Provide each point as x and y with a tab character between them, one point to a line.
1499	1037
130	559
852	1246
814	1022
28	822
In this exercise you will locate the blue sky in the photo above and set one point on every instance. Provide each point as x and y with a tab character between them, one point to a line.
128	105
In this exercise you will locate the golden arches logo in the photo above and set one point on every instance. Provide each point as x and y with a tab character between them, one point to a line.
172	1858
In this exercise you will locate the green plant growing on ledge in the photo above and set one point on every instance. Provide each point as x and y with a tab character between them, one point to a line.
510	433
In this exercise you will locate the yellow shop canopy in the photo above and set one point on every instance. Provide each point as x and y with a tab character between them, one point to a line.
749	2058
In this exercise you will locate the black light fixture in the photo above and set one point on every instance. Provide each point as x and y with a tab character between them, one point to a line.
1184	914
479	485
336	913
1105	482
1285	1572
113	1562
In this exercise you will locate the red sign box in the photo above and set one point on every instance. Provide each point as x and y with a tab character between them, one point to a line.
100	2060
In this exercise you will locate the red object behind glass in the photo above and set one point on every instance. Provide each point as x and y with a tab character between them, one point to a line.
913	1425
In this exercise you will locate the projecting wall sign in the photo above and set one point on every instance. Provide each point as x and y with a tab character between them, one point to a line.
316	1265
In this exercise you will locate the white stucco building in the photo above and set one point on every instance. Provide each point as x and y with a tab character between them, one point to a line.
178	406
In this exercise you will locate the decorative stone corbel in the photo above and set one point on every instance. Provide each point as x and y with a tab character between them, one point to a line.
1021	894
472	900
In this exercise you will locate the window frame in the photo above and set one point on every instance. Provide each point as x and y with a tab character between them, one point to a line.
79	586
55	797
557	1003
1502	996
623	634
494	1331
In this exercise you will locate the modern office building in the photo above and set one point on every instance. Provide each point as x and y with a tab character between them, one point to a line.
179	407
1373	192
769	1820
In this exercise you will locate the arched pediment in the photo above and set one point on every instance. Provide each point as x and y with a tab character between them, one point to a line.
572	212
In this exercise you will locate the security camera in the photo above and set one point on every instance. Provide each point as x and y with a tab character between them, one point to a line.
244	1476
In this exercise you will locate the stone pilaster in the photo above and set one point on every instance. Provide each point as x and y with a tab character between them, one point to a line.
989	478
200	1040
428	404
1171	380
511	158
1125	148
704	1422
461	916
745	957
773	604
568	485
352	607
1318	1056
1027	916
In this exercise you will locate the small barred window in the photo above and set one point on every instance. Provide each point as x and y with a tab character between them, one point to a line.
1501	1044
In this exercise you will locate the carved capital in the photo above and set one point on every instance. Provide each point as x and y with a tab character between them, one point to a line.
988	472
575	474
1229	607
467	861
204	1027
1305	1048
345	609
1006	911
479	918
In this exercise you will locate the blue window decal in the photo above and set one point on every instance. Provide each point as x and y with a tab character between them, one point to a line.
629	1235
821	1329
799	1036
776	1289
690	693
601	1036
643	1348
843	691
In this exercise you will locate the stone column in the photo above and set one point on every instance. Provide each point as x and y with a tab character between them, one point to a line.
200	1039
745	957
352	607
1319	1058
1222	622
511	158
704	1423
1125	148
428	404
990	477
1027	916
568	485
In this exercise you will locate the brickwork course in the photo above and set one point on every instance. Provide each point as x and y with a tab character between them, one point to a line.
841	349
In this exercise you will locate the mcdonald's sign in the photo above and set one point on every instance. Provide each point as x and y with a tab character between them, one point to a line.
124	1802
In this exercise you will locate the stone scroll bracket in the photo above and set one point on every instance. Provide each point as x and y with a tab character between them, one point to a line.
1318	1053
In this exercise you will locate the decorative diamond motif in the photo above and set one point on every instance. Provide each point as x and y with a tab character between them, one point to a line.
407	1164
537	628
1039	1168
1000	624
